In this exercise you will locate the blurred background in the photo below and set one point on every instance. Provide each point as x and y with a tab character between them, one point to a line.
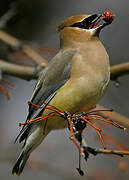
35	22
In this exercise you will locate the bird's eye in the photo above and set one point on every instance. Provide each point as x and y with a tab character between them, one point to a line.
85	24
80	25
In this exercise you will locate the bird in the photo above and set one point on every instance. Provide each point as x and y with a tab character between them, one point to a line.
76	77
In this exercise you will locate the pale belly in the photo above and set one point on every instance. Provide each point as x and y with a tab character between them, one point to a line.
73	97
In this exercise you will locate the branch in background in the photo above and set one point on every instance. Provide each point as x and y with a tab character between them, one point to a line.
8	15
34	56
51	51
119	70
16	43
19	71
114	116
107	151
5	92
114	142
116	70
28	73
115	152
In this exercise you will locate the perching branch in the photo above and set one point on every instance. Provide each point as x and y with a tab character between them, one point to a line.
115	152
95	151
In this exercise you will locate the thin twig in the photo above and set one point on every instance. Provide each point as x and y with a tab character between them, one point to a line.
115	116
34	55
20	71
115	152
119	70
8	15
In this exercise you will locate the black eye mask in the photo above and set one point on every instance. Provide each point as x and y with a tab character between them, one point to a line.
86	23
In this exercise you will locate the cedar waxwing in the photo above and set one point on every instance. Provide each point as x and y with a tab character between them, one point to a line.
76	77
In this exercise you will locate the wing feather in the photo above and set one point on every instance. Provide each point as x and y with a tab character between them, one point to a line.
53	77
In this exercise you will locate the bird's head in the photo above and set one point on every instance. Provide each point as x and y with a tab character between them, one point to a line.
84	27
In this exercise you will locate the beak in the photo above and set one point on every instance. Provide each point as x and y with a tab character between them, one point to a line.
102	20
96	21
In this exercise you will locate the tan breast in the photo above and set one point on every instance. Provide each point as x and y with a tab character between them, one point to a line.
88	81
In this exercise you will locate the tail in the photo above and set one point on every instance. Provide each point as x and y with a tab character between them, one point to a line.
20	163
32	139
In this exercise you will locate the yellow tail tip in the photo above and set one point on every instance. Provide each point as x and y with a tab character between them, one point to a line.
18	174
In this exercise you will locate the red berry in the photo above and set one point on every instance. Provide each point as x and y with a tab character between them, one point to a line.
107	16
